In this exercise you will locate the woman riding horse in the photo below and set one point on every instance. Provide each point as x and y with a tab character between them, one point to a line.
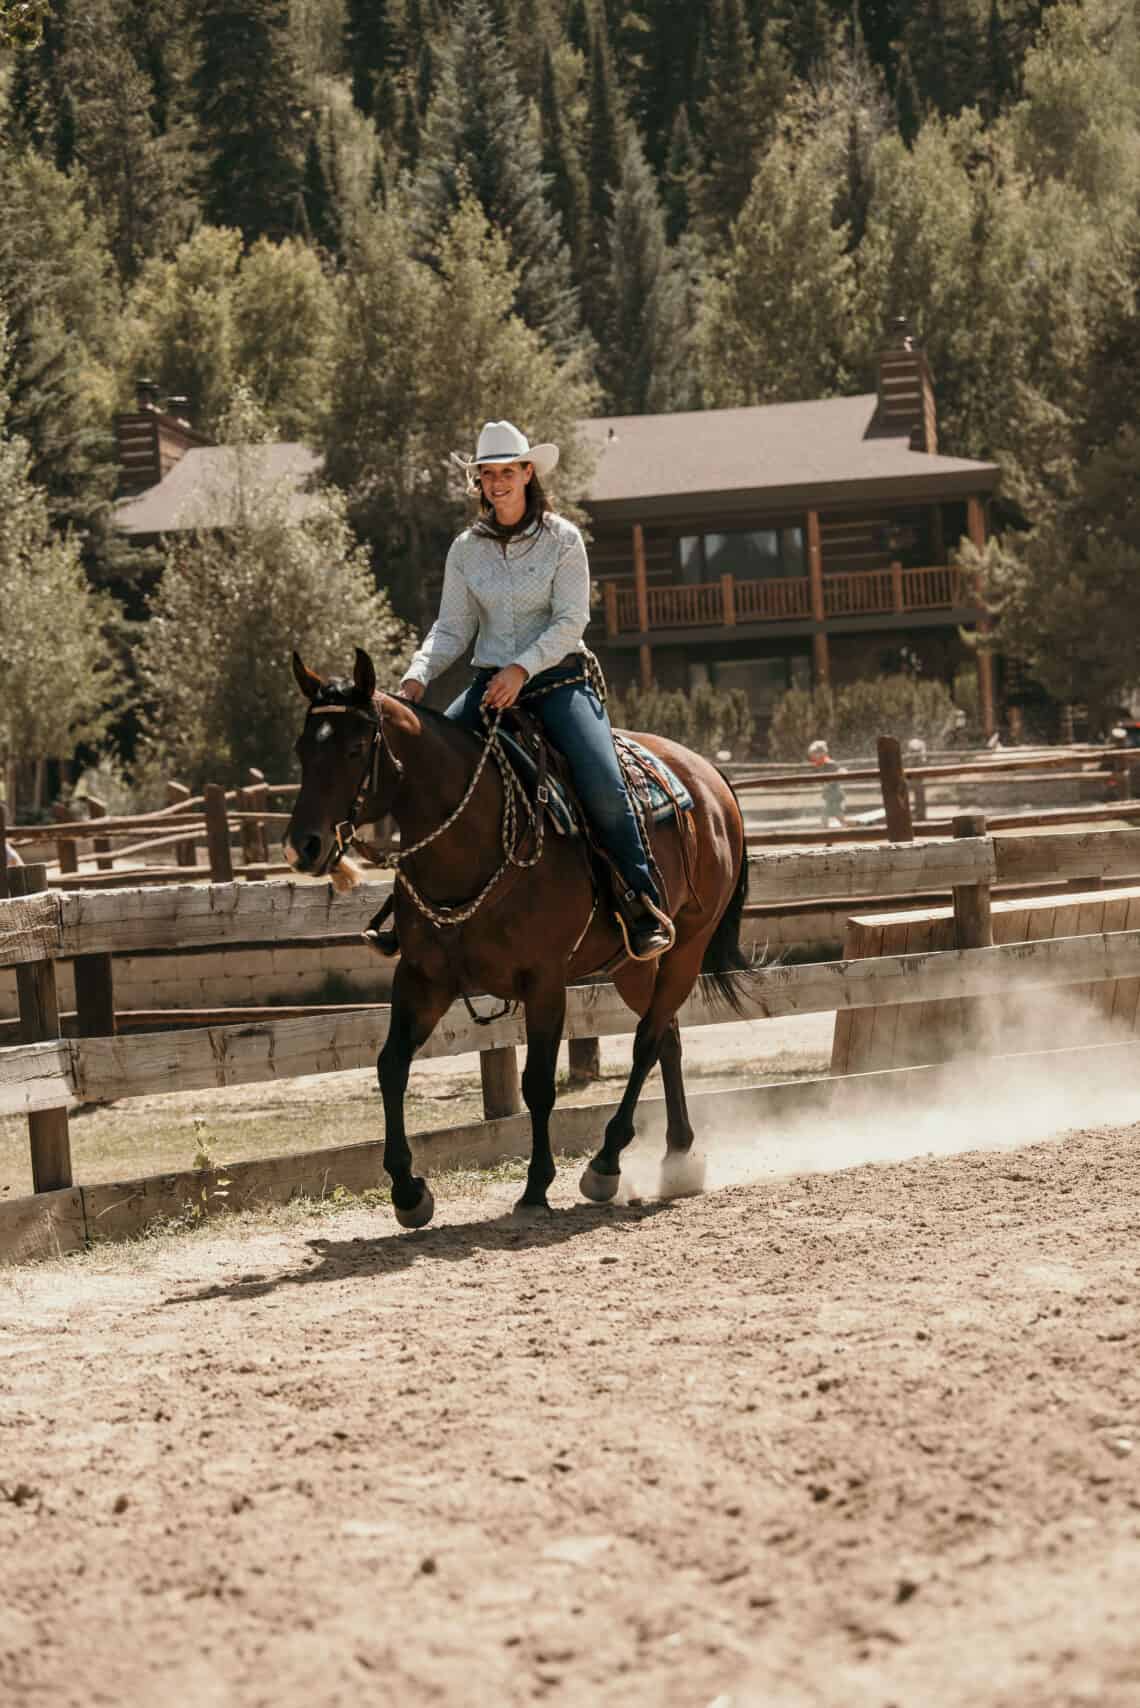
517	583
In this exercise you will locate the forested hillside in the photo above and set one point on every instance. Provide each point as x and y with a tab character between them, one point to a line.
382	220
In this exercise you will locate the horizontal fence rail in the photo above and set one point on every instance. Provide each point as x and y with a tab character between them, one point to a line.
101	1070
60	924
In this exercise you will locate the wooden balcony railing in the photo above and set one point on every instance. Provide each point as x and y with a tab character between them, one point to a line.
726	602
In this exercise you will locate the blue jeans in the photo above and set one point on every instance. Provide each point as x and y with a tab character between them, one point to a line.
579	726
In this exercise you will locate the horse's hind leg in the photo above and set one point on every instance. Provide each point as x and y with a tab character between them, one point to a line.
682	1173
676	976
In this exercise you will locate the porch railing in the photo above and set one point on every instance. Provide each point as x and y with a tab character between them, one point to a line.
728	602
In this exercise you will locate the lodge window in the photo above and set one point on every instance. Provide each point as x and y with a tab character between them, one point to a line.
753	554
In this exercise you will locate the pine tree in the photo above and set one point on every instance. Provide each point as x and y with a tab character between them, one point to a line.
478	135
644	347
680	174
249	109
744	96
139	180
370	46
322	212
661	79
561	165
605	124
804	30
37	82
409	136
908	107
776	327
999	84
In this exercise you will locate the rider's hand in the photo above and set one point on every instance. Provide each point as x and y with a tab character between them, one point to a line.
410	689
505	687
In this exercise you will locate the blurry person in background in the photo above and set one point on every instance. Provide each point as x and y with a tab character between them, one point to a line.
834	800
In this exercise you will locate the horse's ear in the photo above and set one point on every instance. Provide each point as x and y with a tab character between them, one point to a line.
308	681
364	675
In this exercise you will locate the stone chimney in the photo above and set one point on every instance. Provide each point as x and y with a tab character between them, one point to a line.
149	441
906	391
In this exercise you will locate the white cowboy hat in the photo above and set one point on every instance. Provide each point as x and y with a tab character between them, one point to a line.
501	442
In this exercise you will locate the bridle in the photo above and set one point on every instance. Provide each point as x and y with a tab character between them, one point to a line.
344	832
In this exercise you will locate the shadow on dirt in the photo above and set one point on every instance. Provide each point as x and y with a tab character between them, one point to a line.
337	1260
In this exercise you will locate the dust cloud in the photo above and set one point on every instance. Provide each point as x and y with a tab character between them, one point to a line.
1027	1069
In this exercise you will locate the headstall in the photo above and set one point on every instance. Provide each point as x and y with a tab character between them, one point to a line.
345	831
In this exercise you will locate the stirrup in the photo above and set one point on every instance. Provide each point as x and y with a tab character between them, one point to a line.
662	919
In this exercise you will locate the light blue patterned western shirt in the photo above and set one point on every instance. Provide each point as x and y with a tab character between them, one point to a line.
527	605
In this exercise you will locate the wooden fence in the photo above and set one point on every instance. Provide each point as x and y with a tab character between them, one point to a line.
41	1076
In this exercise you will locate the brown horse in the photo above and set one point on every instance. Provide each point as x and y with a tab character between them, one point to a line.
538	927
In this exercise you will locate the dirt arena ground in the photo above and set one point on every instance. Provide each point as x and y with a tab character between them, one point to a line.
865	1437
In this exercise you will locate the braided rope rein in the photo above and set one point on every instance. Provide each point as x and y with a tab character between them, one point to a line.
518	815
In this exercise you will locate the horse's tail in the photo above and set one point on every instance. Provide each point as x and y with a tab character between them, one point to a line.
728	967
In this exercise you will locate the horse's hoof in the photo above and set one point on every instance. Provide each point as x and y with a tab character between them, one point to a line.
421	1214
599	1188
536	1214
682	1175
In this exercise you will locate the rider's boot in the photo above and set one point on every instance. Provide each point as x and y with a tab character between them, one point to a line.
386	943
647	930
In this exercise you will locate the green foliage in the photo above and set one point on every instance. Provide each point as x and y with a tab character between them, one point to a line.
214	316
398	411
654	711
775	326
851	718
228	613
249	102
54	656
1064	592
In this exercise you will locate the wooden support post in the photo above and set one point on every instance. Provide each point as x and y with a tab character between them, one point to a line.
973	926
502	1089
218	835
896	796
185	853
4	888
585	1061
821	657
610	606
258	793
66	851
1123	766
641	589
98	809
39	1020
976	527
728	600
897	587
918	799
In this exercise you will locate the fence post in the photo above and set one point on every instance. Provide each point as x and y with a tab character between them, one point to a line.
4	889
258	793
1124	776
973	925
185	853
39	1020
67	851
896	799
502	1090
218	835
918	790
98	809
585	1060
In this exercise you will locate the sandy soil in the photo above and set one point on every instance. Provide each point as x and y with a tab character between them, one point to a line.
868	1437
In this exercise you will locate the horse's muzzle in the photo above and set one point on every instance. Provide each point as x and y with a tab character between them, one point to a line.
303	853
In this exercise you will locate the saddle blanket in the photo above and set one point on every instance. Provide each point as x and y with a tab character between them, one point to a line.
655	791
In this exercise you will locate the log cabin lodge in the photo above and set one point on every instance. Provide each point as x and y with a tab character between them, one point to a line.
769	547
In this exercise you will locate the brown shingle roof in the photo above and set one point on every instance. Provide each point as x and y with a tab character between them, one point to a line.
201	491
772	455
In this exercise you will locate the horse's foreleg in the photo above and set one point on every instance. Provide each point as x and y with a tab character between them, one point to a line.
545	1016
416	1007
